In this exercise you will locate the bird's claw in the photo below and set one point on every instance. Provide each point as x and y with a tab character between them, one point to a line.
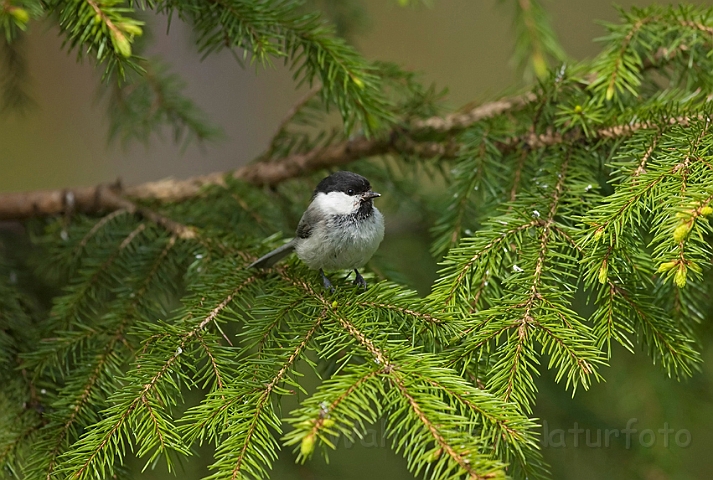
327	284
359	280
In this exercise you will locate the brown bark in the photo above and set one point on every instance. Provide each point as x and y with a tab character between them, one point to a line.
102	198
99	198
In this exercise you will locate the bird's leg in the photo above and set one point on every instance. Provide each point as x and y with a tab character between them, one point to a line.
327	284
359	280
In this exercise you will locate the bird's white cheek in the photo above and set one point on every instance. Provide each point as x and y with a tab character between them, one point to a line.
336	203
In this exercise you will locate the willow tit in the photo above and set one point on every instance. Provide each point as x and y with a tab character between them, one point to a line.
341	228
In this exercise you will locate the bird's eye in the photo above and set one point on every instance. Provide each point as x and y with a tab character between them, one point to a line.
350	191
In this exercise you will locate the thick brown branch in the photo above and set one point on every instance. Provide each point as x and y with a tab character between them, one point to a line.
106	198
17	206
22	205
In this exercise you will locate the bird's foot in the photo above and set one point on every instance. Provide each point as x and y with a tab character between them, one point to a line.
327	284
359	280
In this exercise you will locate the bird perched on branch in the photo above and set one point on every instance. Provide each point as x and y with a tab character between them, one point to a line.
341	228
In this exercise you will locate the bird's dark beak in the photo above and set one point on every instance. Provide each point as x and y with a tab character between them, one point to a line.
369	195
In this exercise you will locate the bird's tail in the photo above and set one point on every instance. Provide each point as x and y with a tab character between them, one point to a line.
269	259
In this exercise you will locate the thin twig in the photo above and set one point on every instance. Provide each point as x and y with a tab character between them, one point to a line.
460	120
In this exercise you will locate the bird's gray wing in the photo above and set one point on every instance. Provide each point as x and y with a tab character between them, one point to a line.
308	222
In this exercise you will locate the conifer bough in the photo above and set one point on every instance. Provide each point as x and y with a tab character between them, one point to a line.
107	197
100	198
600	180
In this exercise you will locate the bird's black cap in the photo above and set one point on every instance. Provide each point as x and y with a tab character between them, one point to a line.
347	182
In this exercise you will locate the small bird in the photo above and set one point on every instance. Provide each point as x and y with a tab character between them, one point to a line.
341	228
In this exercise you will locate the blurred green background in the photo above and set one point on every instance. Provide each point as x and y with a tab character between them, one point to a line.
464	45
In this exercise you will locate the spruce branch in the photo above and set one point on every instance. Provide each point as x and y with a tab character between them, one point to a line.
91	455
464	270
102	369
458	446
21	404
480	169
280	30
14	83
427	317
93	289
441	441
674	350
536	43
527	305
535	295
219	377
266	393
672	162
102	197
549	194
12	443
249	445
15	15
648	37
152	100
14	206
614	78
379	356
102	28
503	427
